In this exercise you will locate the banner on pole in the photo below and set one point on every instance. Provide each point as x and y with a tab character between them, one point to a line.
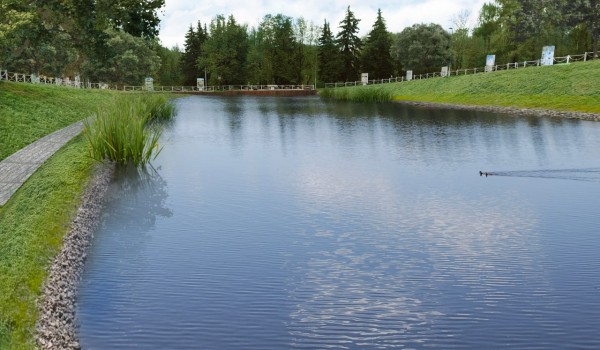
444	72
490	62
149	84
548	55
364	78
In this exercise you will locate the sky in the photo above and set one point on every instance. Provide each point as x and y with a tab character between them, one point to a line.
177	15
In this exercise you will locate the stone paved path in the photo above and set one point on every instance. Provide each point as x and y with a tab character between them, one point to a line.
17	168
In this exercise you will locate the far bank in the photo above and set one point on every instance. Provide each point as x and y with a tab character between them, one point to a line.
570	90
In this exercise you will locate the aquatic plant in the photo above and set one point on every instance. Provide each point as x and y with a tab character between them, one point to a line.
128	132
371	93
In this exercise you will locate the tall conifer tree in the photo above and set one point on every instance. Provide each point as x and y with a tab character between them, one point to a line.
376	57
329	57
350	45
194	39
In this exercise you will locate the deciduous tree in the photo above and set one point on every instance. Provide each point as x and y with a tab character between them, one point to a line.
422	48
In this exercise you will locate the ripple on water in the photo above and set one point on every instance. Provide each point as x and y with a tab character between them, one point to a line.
285	223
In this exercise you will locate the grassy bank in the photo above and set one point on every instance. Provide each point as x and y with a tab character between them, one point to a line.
29	112
572	87
32	225
35	219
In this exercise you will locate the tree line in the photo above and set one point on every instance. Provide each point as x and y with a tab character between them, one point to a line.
100	40
283	50
116	41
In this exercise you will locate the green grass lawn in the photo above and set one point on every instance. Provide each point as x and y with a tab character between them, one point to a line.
572	87
32	225
29	112
35	219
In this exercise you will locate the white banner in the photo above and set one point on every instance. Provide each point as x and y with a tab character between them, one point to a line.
444	72
548	56
490	62
364	78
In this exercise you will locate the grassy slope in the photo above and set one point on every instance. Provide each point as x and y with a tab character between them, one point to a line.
573	87
33	222
28	112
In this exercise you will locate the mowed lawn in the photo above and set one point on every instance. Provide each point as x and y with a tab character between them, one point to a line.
567	87
35	219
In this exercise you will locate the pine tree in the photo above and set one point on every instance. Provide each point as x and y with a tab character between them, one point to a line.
350	45
194	39
376	57
329	57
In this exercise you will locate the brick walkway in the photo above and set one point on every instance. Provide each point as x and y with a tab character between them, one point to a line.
17	168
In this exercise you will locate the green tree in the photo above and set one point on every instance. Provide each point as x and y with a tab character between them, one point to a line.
276	51
422	48
225	52
136	17
259	64
489	23
170	72
127	60
460	41
376	56
585	13
15	16
329	57
350	45
194	40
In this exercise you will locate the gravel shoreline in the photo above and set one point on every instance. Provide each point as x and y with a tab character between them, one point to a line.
56	327
507	110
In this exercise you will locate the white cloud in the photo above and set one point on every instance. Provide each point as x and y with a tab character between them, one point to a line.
179	14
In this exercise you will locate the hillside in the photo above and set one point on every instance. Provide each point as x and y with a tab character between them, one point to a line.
29	112
573	87
33	222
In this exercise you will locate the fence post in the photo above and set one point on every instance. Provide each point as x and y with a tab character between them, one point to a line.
568	58
585	56
538	63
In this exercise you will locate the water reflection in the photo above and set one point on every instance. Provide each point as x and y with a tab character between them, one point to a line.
390	273
116	266
294	223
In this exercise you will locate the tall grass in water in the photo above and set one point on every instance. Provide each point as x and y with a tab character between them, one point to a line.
359	93
128	131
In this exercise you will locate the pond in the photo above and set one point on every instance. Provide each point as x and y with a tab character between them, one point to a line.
276	223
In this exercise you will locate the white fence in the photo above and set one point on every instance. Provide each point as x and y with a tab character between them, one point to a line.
35	79
524	64
220	88
76	83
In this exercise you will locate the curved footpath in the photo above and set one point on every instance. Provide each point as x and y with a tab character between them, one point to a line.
56	327
18	167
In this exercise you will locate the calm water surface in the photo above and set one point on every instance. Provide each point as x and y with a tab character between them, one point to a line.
275	223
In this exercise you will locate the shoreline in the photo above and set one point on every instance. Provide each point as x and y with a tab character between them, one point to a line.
56	327
505	110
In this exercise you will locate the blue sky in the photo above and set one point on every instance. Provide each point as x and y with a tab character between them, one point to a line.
179	14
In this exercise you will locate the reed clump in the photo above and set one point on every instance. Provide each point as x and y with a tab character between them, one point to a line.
128	132
371	93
